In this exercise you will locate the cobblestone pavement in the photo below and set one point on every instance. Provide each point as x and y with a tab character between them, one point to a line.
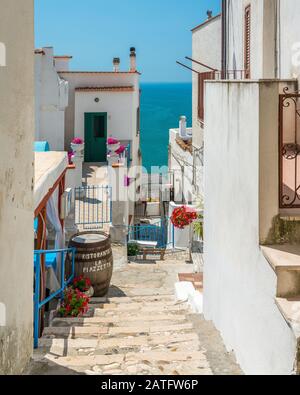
138	329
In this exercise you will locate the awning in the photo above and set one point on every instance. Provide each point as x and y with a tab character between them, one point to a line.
49	167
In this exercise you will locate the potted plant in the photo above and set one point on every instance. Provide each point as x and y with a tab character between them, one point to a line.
198	227
113	144
84	285
75	304
132	250
77	145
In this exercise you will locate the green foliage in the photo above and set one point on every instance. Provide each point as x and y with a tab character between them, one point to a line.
132	249
198	227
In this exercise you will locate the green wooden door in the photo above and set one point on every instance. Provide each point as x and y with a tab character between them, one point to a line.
95	137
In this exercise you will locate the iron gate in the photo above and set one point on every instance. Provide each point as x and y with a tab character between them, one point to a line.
160	231
289	149
93	206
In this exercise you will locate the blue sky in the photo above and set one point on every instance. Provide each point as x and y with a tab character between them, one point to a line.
95	31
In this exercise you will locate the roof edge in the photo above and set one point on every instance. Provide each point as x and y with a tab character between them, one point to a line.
206	22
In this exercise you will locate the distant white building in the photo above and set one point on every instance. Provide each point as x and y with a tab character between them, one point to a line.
51	100
103	105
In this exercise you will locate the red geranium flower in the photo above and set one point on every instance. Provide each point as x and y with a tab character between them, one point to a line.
183	217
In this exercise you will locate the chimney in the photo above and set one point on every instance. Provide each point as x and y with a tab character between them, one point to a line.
132	60
209	14
62	62
116	64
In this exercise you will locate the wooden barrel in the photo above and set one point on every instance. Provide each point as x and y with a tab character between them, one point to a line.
94	259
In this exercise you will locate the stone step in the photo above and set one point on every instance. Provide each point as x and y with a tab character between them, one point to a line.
137	305
103	310
88	347
75	332
150	340
146	328
118	320
93	332
110	363
135	299
285	261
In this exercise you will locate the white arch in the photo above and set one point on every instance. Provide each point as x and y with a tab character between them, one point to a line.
2	315
2	55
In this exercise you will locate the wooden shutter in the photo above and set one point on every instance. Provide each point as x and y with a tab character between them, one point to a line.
247	44
202	77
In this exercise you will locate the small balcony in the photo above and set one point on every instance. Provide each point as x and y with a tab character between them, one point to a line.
209	75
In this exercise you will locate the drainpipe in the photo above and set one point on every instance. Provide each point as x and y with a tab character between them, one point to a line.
224	38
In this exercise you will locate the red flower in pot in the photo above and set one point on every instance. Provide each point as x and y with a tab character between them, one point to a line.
183	217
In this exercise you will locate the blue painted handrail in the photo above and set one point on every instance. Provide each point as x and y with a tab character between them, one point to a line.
60	292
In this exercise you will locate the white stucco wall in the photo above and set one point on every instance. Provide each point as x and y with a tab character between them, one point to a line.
51	99
206	43
240	286
117	105
16	185
289	38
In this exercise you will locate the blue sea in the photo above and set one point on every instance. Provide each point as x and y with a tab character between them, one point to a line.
161	106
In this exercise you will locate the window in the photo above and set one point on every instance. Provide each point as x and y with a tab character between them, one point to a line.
99	126
247	44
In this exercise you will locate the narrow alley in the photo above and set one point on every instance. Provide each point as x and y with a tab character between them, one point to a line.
138	329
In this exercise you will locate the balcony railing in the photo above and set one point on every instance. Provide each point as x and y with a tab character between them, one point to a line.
289	150
211	74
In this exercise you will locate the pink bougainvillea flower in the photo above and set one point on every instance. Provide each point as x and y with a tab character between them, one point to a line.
70	157
112	141
121	150
77	141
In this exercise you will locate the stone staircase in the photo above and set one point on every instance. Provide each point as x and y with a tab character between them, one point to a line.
143	335
285	261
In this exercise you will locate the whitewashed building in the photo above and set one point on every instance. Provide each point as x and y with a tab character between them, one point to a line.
251	117
16	185
186	155
51	100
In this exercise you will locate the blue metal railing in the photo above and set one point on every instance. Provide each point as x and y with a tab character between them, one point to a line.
161	232
37	287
